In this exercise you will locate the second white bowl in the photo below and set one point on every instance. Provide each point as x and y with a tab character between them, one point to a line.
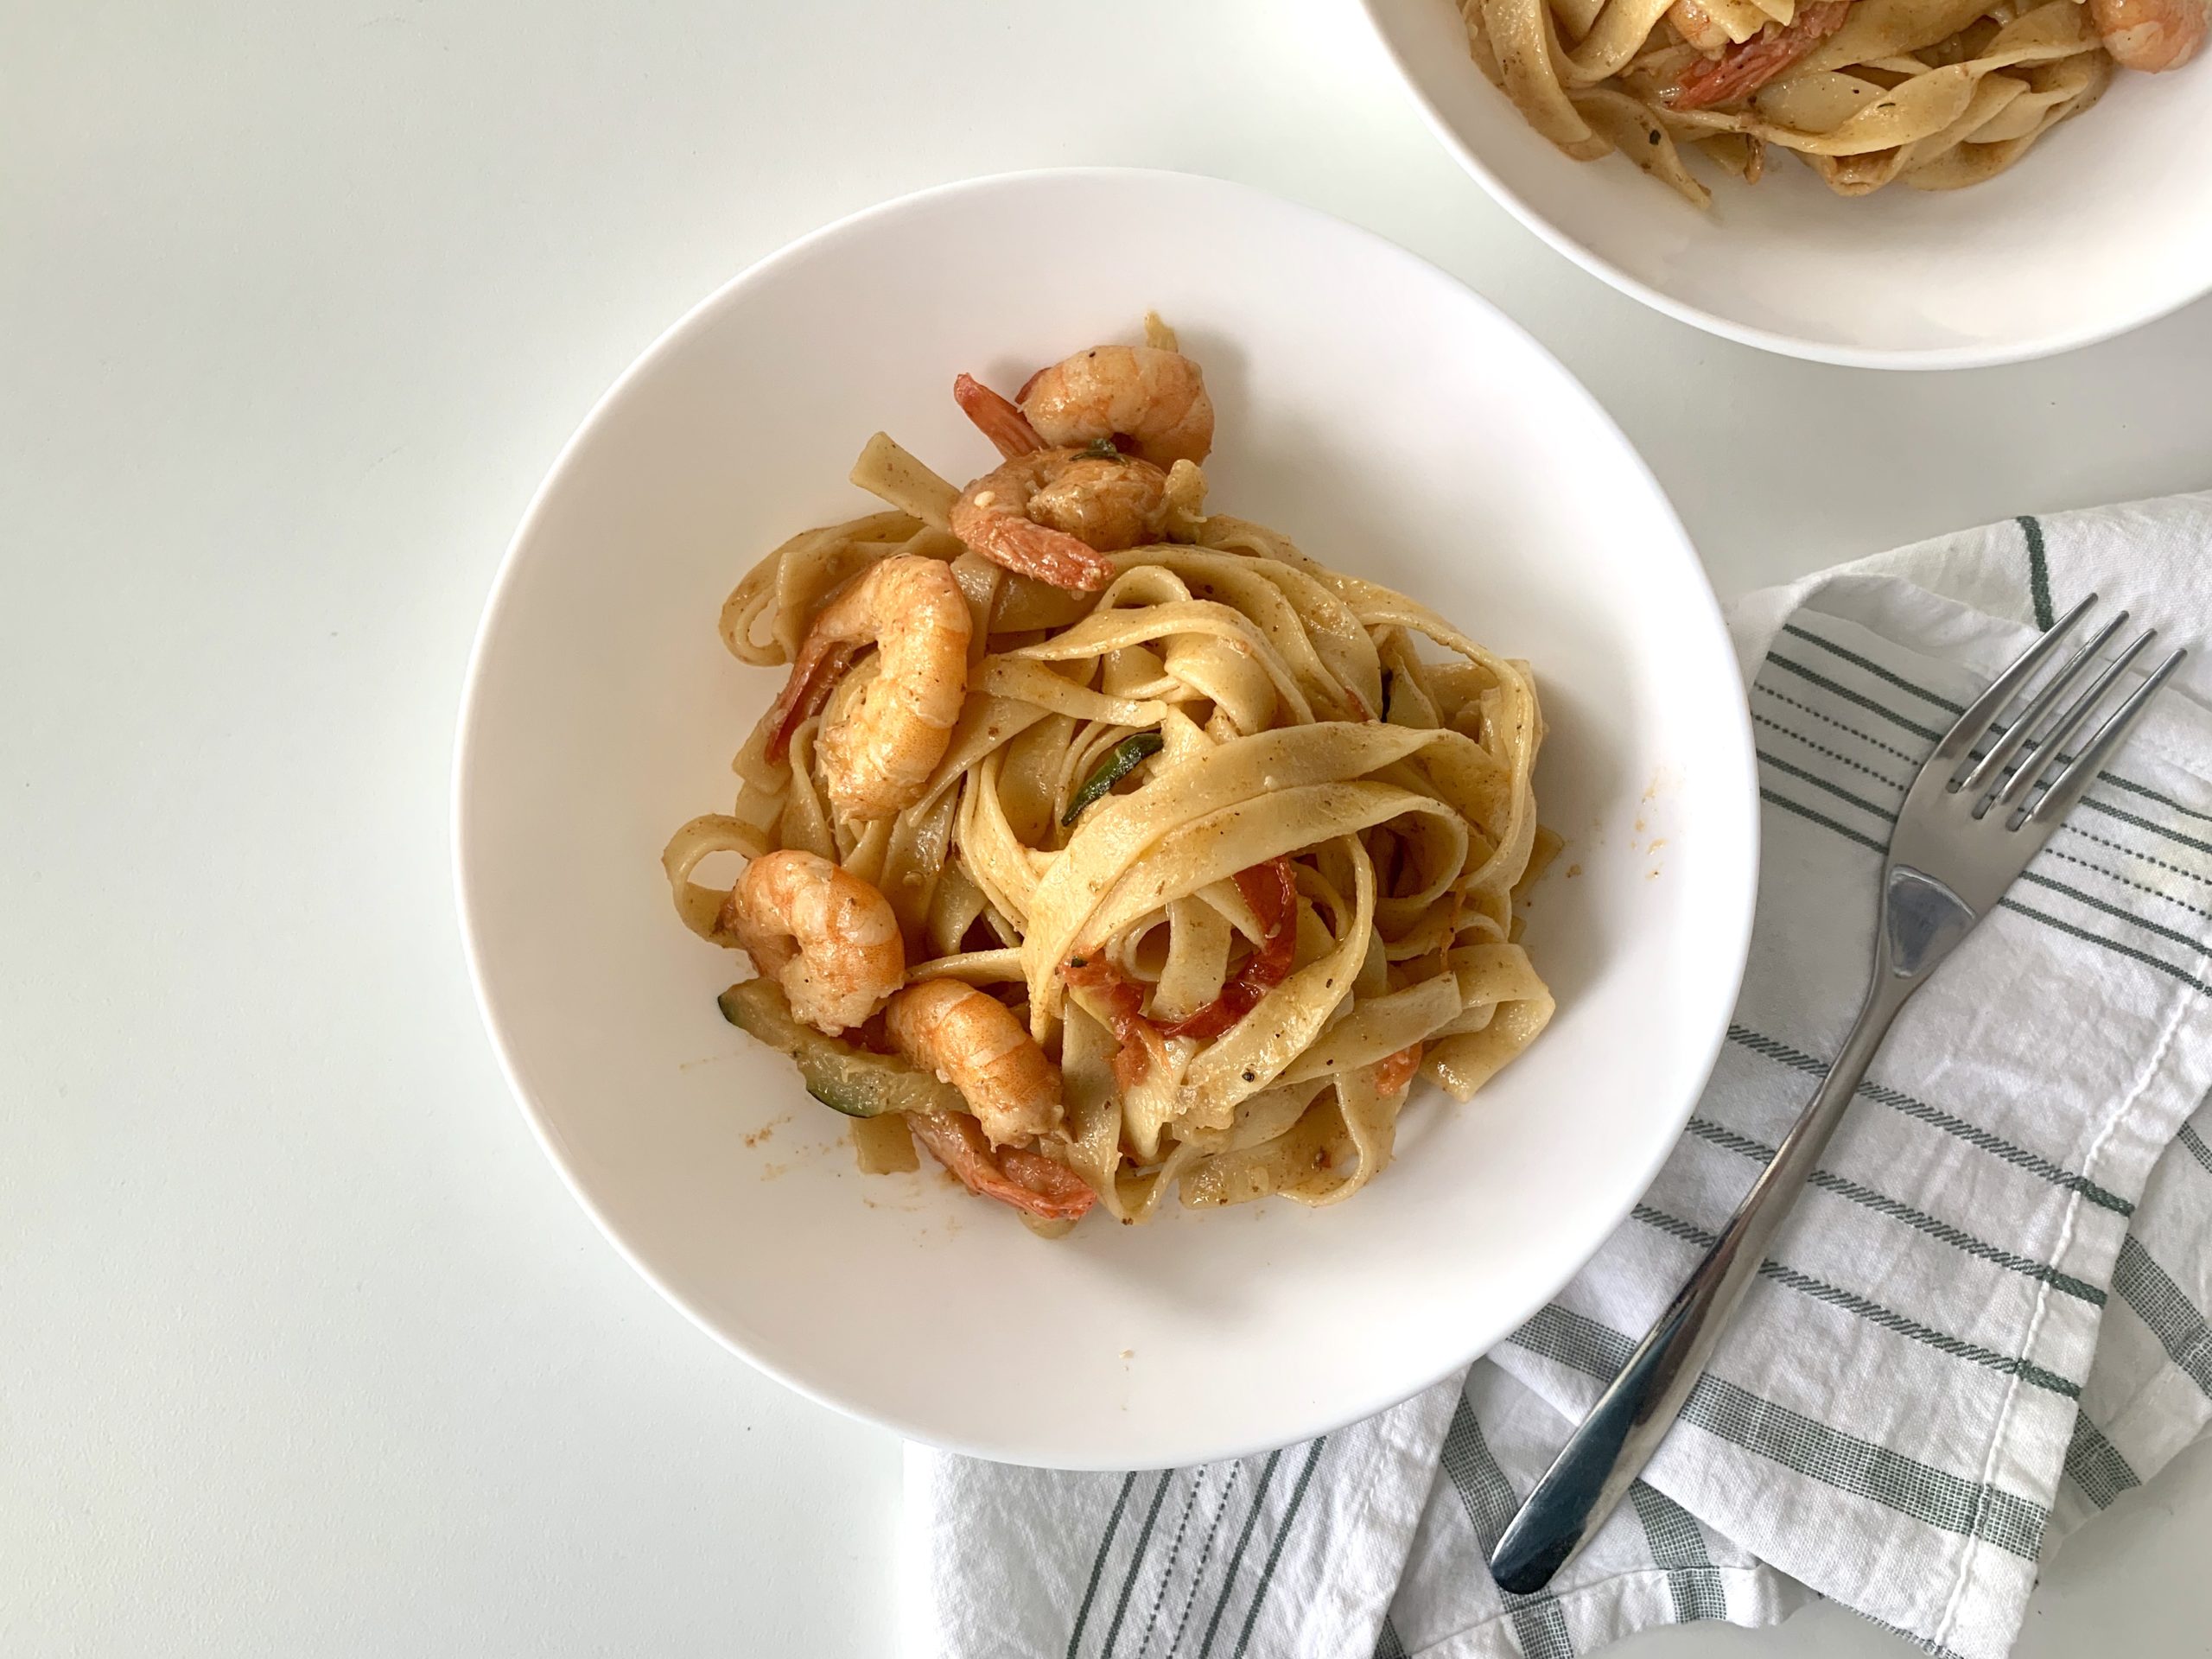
2105	225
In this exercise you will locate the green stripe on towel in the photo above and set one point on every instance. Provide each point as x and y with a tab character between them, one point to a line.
1205	1553
2111	811
1275	1550
1836	755
1237	1558
1873	1313
2193	1144
1836	688
1727	1139
1174	1554
1820	783
1867	738
1996	1146
1815	1450
1137	1560
2179	1326
2039	572
1878	847
2180	974
1488	1499
1677	1543
1098	1563
1875	668
2100	1472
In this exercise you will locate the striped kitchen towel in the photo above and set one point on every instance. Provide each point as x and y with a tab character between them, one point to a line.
1986	1322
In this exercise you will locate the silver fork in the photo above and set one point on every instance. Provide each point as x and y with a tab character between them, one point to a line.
1968	828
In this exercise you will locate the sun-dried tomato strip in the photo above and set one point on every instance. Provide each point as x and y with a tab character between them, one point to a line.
1396	1072
821	664
1121	1000
1272	891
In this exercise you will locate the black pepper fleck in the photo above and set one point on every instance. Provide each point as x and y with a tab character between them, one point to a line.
1251	1076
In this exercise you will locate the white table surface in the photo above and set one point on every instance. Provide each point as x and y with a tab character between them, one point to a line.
303	1347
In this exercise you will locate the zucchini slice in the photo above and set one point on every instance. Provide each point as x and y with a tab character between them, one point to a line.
1121	761
842	1078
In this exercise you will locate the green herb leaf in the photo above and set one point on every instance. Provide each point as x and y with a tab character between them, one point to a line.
1121	761
1102	449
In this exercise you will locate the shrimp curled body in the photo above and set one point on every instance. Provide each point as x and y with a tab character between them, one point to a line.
975	1044
1053	514
2152	34
827	937
879	752
1156	400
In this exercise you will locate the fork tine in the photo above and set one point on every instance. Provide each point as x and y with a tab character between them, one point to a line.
2067	789
1982	713
2075	717
1992	765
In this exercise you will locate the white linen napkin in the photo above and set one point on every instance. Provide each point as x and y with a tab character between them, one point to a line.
1985	1323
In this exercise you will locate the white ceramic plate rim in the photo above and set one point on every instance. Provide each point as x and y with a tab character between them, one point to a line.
1768	340
1734	745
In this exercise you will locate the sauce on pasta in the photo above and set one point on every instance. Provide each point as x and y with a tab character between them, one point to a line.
1177	880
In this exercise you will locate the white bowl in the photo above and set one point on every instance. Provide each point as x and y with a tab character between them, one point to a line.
2106	225
1395	425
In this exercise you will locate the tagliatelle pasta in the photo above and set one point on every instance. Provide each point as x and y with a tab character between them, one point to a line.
1233	841
1936	94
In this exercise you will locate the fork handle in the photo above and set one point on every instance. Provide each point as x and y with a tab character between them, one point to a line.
1609	1450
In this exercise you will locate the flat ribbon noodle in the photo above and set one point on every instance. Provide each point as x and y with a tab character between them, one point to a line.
1910	90
1293	872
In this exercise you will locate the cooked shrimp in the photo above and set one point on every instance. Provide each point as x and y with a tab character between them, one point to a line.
972	1042
1027	1180
995	419
1155	400
1697	27
827	937
1741	70
1051	514
880	752
2152	34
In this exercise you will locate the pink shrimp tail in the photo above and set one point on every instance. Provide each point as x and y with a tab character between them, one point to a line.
1027	1180
1007	428
1744	68
822	662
